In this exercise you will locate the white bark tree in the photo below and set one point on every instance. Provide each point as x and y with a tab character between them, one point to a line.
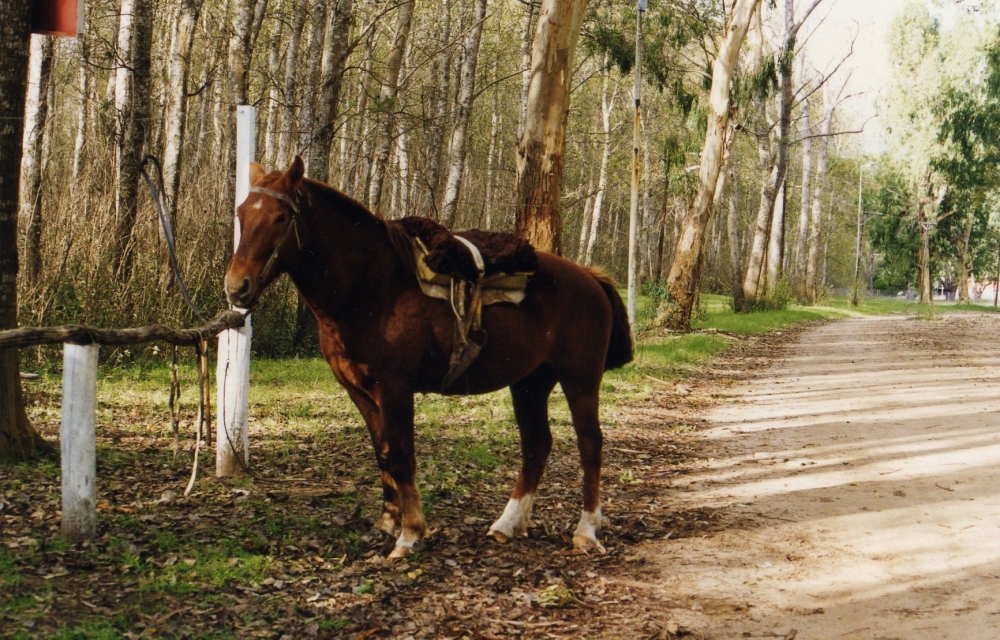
176	106
683	277
387	101
607	109
460	134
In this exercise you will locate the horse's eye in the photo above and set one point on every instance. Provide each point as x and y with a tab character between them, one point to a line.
281	218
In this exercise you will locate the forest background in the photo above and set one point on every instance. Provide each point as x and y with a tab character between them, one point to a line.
416	108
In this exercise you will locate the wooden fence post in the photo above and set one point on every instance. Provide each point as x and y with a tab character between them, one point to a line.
232	374
78	441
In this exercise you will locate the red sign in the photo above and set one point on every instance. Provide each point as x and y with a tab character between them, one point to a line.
57	17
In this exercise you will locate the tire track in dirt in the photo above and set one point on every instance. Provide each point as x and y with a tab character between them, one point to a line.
861	474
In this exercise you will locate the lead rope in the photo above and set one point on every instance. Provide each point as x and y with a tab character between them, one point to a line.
162	205
175	395
203	408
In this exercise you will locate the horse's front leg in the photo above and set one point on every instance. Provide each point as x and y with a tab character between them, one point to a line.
395	402
389	522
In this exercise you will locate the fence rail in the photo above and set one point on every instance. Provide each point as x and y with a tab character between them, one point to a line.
77	432
82	335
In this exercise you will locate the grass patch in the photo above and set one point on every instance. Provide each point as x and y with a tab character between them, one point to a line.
759	322
679	350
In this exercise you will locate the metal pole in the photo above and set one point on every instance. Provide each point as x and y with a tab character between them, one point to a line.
633	219
857	258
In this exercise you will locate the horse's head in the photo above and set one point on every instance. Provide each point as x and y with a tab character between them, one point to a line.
269	233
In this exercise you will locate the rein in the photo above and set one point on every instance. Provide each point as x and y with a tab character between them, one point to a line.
160	202
292	226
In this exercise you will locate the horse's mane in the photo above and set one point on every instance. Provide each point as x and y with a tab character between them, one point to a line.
401	242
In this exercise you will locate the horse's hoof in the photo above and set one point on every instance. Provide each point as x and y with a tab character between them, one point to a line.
399	552
588	545
499	536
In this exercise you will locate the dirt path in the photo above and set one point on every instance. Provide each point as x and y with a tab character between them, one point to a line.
861	474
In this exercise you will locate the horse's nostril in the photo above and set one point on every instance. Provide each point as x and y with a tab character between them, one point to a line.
244	287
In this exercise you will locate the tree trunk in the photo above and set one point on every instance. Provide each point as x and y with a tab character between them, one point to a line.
776	243
356	134
135	137
661	236
527	41
682	280
805	201
732	227
18	441
752	288
924	262
588	211
338	30
963	279
313	62
491	161
82	122
831	99
239	50
291	89
123	56
607	108
439	113
387	98
35	121
459	135
176	107
274	92
927	211
540	149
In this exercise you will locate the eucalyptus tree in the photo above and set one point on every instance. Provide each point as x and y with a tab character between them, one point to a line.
774	157
35	121
175	114
387	100
970	159
683	279
931	69
18	441
540	148
134	135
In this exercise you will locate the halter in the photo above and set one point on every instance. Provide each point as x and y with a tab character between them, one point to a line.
292	226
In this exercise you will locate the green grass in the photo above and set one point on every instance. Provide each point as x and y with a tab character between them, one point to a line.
668	353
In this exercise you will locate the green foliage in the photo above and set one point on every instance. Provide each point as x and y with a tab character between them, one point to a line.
670	27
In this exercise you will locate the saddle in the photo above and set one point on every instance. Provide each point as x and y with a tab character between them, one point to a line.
469	269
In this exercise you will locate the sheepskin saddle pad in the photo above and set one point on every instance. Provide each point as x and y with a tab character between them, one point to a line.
499	262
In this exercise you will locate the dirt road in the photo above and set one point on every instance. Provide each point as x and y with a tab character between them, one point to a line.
862	474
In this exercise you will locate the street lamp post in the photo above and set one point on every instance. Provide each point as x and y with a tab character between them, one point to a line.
861	227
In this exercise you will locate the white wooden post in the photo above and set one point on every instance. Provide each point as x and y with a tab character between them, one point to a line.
78	442
232	374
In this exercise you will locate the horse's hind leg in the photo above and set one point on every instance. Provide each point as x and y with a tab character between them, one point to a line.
583	396
531	410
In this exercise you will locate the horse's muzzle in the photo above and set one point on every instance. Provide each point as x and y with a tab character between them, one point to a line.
239	290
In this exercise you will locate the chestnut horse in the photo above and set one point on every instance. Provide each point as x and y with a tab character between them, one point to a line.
385	340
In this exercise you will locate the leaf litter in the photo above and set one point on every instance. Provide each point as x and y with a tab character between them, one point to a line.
292	552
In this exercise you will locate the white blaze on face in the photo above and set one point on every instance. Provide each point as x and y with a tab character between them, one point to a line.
258	205
515	518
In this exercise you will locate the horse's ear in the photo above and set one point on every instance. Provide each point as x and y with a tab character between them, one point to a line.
296	171
257	173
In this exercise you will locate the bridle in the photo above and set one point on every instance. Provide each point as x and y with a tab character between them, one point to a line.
292	226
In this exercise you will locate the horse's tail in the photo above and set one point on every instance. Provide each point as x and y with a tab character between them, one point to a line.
620	349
